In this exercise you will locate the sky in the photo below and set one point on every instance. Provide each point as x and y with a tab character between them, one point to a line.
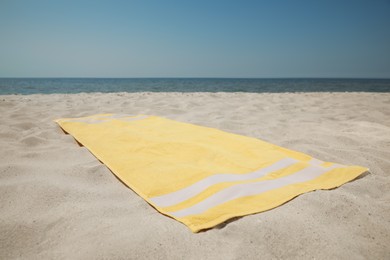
234	39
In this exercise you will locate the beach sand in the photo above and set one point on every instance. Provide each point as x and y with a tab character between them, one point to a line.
58	201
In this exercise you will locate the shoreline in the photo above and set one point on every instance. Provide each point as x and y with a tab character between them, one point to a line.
58	201
199	92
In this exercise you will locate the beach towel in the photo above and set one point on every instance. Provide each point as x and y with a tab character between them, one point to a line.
198	175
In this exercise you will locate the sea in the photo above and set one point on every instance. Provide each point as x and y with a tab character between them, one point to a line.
25	86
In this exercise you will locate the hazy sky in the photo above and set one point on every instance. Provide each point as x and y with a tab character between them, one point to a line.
197	38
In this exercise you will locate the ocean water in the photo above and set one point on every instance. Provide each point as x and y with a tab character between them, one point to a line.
106	85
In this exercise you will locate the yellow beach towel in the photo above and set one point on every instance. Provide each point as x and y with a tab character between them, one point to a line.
201	176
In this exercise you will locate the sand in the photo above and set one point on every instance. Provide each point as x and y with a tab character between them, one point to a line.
58	201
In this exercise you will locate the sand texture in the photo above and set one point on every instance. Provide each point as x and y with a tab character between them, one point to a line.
57	201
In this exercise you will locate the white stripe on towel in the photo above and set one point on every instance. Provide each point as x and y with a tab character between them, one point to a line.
253	188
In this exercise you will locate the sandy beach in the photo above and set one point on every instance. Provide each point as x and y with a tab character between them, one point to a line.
59	202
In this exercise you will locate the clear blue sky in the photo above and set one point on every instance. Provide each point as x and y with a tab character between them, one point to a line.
317	38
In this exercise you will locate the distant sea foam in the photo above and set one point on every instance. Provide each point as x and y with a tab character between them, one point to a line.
106	85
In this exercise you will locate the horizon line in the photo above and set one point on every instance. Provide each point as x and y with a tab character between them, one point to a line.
188	77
